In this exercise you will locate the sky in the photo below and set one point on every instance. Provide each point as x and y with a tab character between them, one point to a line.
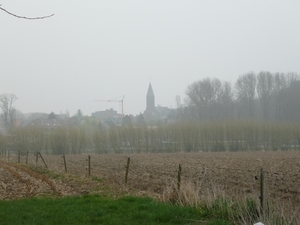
101	50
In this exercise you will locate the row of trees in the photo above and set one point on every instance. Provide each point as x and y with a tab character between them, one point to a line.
178	137
62	140
267	96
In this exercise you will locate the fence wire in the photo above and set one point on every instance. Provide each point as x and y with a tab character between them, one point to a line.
152	175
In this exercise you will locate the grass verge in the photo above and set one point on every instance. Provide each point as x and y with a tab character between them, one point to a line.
95	209
240	209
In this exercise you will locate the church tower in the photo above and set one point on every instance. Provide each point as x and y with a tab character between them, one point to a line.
150	100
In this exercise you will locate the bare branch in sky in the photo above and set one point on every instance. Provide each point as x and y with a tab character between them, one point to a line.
24	17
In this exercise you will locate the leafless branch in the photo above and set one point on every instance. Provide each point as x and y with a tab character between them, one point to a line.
24	17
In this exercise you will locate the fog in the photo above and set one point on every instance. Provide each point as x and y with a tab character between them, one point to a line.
99	50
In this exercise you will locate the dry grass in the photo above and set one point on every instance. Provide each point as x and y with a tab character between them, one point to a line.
215	202
41	177
9	167
17	176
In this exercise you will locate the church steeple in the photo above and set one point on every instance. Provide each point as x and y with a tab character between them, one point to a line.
150	99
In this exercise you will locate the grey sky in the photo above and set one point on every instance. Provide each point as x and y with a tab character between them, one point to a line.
104	49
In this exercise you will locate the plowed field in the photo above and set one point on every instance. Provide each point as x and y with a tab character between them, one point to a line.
149	174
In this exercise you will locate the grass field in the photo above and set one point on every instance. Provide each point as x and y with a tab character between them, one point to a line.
94	209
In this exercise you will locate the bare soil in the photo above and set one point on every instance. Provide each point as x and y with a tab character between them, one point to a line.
149	174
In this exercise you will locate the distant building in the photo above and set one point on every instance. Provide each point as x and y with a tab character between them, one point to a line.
108	117
153	113
46	123
105	115
53	123
18	122
163	112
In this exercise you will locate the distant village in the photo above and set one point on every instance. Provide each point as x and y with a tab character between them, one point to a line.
107	118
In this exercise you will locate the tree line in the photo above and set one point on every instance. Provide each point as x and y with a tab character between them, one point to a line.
263	96
243	135
260	111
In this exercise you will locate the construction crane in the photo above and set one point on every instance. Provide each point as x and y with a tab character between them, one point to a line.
115	100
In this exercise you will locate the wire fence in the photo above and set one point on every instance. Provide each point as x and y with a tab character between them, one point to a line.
151	174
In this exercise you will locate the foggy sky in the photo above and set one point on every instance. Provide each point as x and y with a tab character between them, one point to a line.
99	50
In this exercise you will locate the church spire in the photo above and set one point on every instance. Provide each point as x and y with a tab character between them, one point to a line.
150	99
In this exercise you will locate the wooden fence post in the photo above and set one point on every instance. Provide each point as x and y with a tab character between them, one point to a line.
89	165
179	178
27	157
19	156
8	155
43	160
262	192
127	169
36	158
65	164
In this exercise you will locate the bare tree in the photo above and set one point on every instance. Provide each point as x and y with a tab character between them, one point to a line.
6	104
209	98
265	91
21	140
245	91
78	139
201	95
289	102
285	95
291	78
227	101
59	141
279	84
24	17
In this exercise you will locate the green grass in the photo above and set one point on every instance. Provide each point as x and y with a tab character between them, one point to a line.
50	173
95	209
97	179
